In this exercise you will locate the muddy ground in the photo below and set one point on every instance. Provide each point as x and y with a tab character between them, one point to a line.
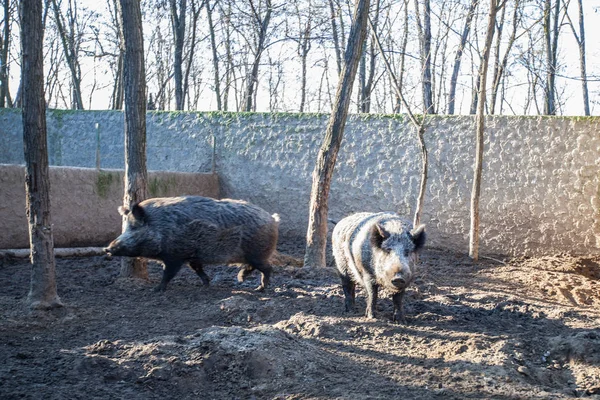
524	328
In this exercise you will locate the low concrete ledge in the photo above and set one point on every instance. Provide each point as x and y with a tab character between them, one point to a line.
84	202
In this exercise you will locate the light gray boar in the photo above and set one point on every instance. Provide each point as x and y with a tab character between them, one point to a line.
198	231
376	250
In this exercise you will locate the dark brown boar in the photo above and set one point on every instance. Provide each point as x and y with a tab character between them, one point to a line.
198	231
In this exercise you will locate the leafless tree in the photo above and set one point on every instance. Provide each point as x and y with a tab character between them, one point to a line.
215	54
551	32
68	37
501	62
580	38
424	30
335	11
261	20
42	292
480	128
5	42
136	174
458	56
316	235
366	76
304	40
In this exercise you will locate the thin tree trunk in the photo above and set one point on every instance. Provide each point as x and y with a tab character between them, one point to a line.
42	291
252	83
304	46
117	95
399	82
136	174
480	128
303	58
458	56
368	79
500	67
580	38
190	57
215	55
316	236
5	100
71	56
178	26
336	41
551	37
584	87
424	31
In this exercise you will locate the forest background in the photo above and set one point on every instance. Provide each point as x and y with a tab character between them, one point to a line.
276	56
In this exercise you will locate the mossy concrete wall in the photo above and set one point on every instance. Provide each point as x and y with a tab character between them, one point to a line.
540	190
84	202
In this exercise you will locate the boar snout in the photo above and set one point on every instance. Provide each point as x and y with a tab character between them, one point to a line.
400	281
112	249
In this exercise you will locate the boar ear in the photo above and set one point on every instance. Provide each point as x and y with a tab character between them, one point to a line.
138	212
378	234
123	210
418	236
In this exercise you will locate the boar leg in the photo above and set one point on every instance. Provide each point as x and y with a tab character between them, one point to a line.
349	292
265	270
398	309
197	267
171	268
371	289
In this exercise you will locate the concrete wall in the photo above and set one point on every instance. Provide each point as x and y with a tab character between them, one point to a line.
84	202
540	180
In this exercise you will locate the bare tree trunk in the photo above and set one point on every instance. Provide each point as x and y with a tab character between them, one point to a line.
215	55
368	79
68	43
136	174
42	292
500	66
263	25
190	57
580	38
399	81
304	46
178	25
336	41
458	56
480	127
303	81
117	103
5	100
424	30
551	37
316	236
228	57
581	42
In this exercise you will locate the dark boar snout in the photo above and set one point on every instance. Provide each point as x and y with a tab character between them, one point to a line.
400	281
113	248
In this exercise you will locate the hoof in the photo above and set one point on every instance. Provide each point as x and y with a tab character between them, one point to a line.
159	289
399	319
